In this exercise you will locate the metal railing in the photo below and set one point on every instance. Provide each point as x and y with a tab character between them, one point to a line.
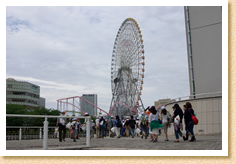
45	127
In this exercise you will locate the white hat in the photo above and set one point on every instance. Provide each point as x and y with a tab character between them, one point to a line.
92	120
101	115
111	116
86	114
74	118
142	113
97	117
63	111
163	107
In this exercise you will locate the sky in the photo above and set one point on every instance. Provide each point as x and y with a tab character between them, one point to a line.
67	50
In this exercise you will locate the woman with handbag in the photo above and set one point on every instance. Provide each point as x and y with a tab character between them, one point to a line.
188	120
177	123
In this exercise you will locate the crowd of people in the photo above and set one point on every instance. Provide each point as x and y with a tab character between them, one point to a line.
150	124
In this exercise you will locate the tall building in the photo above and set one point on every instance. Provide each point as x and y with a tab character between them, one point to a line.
22	93
86	107
204	46
42	102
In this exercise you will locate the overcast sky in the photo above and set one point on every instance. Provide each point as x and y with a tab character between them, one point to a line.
67	50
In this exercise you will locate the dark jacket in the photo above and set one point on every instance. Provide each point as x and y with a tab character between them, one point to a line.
188	116
132	121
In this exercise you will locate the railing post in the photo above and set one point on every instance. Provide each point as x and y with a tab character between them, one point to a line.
20	134
88	122
45	134
40	133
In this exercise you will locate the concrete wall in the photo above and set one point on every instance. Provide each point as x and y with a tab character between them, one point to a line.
208	112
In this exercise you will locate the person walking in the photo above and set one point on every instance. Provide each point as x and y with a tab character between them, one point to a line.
78	131
154	124
143	124
110	125
178	127
117	125
132	123
61	122
97	126
102	127
188	121
165	122
74	128
106	127
127	129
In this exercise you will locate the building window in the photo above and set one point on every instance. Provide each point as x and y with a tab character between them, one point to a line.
9	85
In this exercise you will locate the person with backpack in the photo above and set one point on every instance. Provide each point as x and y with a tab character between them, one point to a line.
188	121
178	113
132	123
165	121
74	128
102	127
143	124
117	125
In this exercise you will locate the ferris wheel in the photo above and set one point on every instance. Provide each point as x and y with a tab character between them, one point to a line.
127	69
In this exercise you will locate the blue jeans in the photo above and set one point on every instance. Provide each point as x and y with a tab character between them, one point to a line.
189	128
177	133
131	131
101	129
105	132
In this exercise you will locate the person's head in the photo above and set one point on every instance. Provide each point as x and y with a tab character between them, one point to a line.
188	105
111	117
101	116
176	106
97	117
153	110
63	112
184	107
163	110
86	114
117	117
131	117
142	114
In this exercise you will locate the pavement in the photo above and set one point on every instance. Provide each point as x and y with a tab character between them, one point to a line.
204	142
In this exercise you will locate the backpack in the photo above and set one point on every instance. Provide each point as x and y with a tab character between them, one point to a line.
73	125
119	124
144	122
132	124
103	124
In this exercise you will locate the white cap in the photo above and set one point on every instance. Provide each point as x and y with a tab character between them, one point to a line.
111	116
101	115
74	118
142	113
63	111
92	120
163	107
86	113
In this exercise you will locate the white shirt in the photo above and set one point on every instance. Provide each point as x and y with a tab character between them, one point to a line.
76	126
164	118
153	117
97	122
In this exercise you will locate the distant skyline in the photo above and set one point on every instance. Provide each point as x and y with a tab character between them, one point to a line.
67	50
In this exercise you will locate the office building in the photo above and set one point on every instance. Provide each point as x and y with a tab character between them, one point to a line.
22	93
204	47
86	107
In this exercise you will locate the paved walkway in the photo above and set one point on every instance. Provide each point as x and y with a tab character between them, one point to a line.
213	142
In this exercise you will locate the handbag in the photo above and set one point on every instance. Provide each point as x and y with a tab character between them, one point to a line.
194	119
177	120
